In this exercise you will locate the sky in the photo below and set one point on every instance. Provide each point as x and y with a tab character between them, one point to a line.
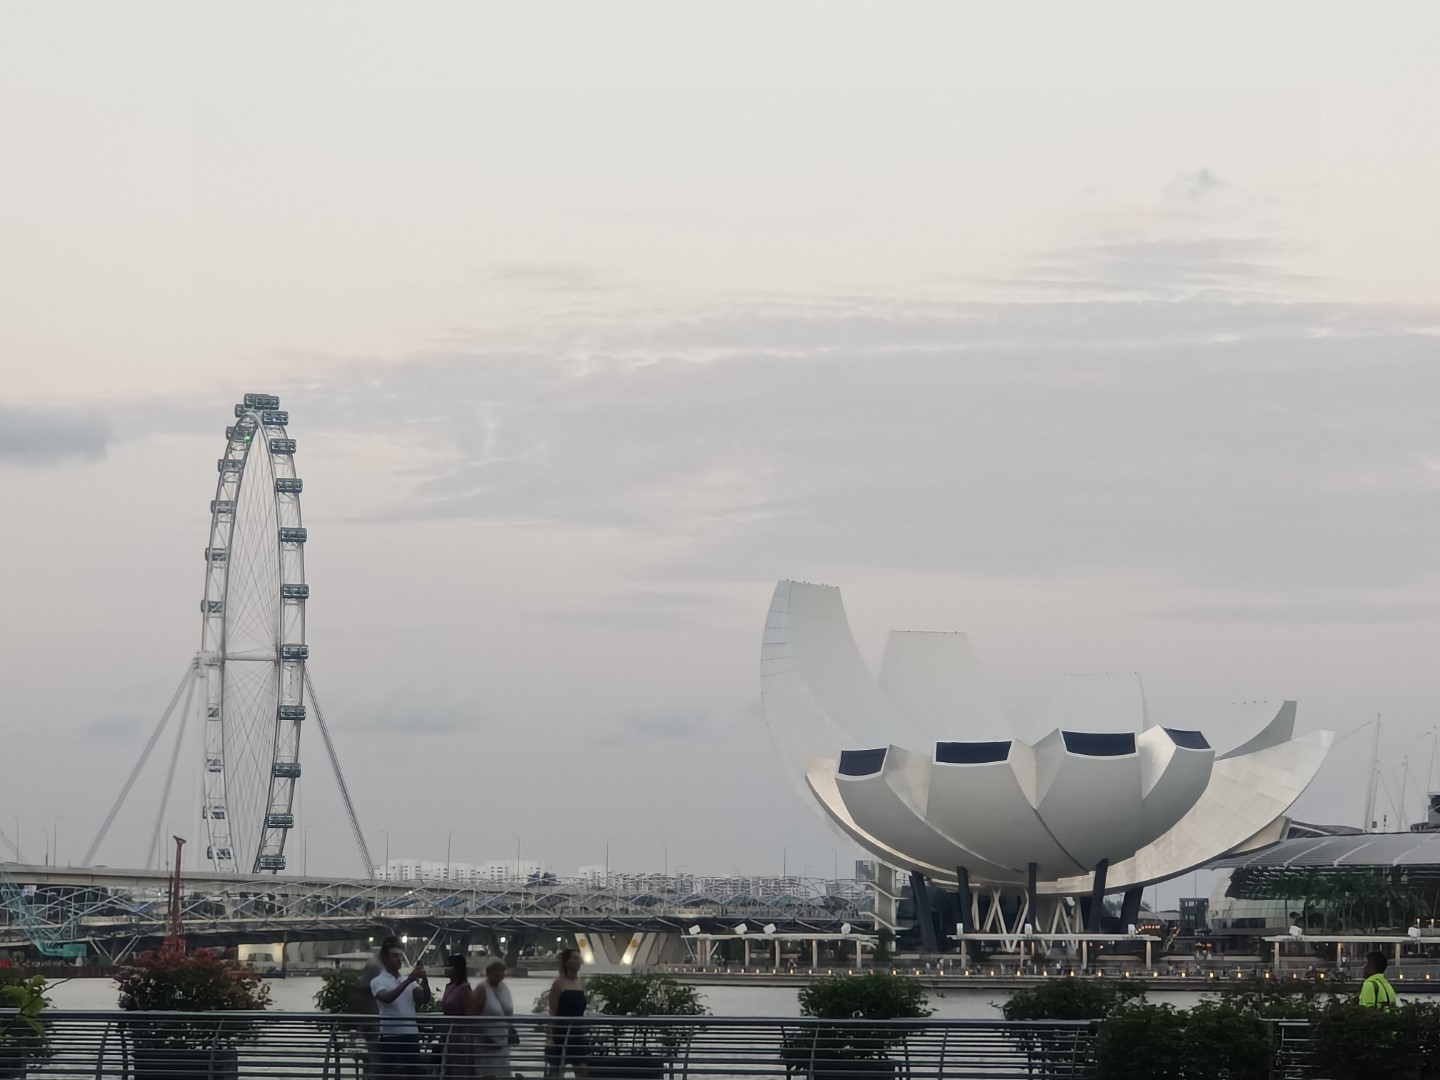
1106	333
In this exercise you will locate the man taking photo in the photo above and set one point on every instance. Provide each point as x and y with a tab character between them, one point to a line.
398	1049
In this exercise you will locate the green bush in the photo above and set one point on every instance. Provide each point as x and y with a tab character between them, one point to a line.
1071	999
637	994
865	997
1355	1043
343	992
1279	999
1224	1041
1141	1042
23	1029
854	997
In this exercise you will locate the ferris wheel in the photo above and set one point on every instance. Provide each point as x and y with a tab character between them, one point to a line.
249	683
252	643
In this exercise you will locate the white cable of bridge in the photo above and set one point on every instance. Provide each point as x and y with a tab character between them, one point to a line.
139	765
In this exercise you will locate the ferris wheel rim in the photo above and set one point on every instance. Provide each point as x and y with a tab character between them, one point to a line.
260	427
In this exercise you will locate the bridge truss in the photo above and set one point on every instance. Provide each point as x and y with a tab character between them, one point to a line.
117	911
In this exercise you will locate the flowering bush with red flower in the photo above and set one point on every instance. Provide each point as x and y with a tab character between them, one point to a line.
201	981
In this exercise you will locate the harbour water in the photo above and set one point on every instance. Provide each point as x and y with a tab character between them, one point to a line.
298	995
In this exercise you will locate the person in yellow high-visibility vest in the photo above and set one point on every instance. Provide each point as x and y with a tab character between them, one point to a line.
1376	990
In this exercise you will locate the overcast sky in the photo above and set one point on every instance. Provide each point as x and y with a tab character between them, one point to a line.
1105	332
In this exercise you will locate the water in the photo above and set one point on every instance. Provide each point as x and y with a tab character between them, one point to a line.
298	995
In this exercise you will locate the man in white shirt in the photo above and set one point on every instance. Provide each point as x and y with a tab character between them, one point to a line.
397	1053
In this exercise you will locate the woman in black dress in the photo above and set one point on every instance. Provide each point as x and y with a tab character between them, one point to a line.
568	1043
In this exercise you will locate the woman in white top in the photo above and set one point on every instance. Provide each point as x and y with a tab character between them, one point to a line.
492	1039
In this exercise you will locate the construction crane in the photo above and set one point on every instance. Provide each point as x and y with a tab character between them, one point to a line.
174	944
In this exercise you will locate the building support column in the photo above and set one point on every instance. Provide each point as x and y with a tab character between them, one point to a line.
1130	908
1097	898
967	903
1032	908
924	915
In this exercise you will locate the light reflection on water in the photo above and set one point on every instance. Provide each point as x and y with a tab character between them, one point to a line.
298	995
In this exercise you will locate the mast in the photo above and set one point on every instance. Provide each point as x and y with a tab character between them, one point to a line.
1368	825
1404	781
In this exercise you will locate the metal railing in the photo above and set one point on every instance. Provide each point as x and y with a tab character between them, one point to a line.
310	1046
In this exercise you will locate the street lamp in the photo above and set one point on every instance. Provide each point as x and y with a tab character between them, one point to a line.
517	855
785	861
607	858
836	852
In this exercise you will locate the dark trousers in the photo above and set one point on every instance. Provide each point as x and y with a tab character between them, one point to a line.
397	1056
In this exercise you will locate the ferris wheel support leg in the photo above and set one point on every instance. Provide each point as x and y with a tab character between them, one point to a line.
155	843
139	765
339	777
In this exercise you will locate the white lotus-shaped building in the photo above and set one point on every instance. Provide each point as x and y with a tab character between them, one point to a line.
922	768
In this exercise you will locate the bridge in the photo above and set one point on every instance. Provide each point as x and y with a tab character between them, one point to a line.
115	911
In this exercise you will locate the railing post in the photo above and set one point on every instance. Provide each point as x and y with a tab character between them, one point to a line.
100	1053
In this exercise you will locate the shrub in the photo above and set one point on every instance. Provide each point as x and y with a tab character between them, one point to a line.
1357	1043
865	997
1071	999
1224	1041
1278	999
637	994
1141	1042
22	1032
862	997
200	981
343	992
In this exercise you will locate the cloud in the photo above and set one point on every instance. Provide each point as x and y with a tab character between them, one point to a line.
1167	267
1194	185
36	436
545	276
648	726
1209	440
409	711
1302	612
117	727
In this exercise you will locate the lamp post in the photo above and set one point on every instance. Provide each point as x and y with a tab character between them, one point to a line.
836	852
665	845
517	855
607	858
785	861
450	836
